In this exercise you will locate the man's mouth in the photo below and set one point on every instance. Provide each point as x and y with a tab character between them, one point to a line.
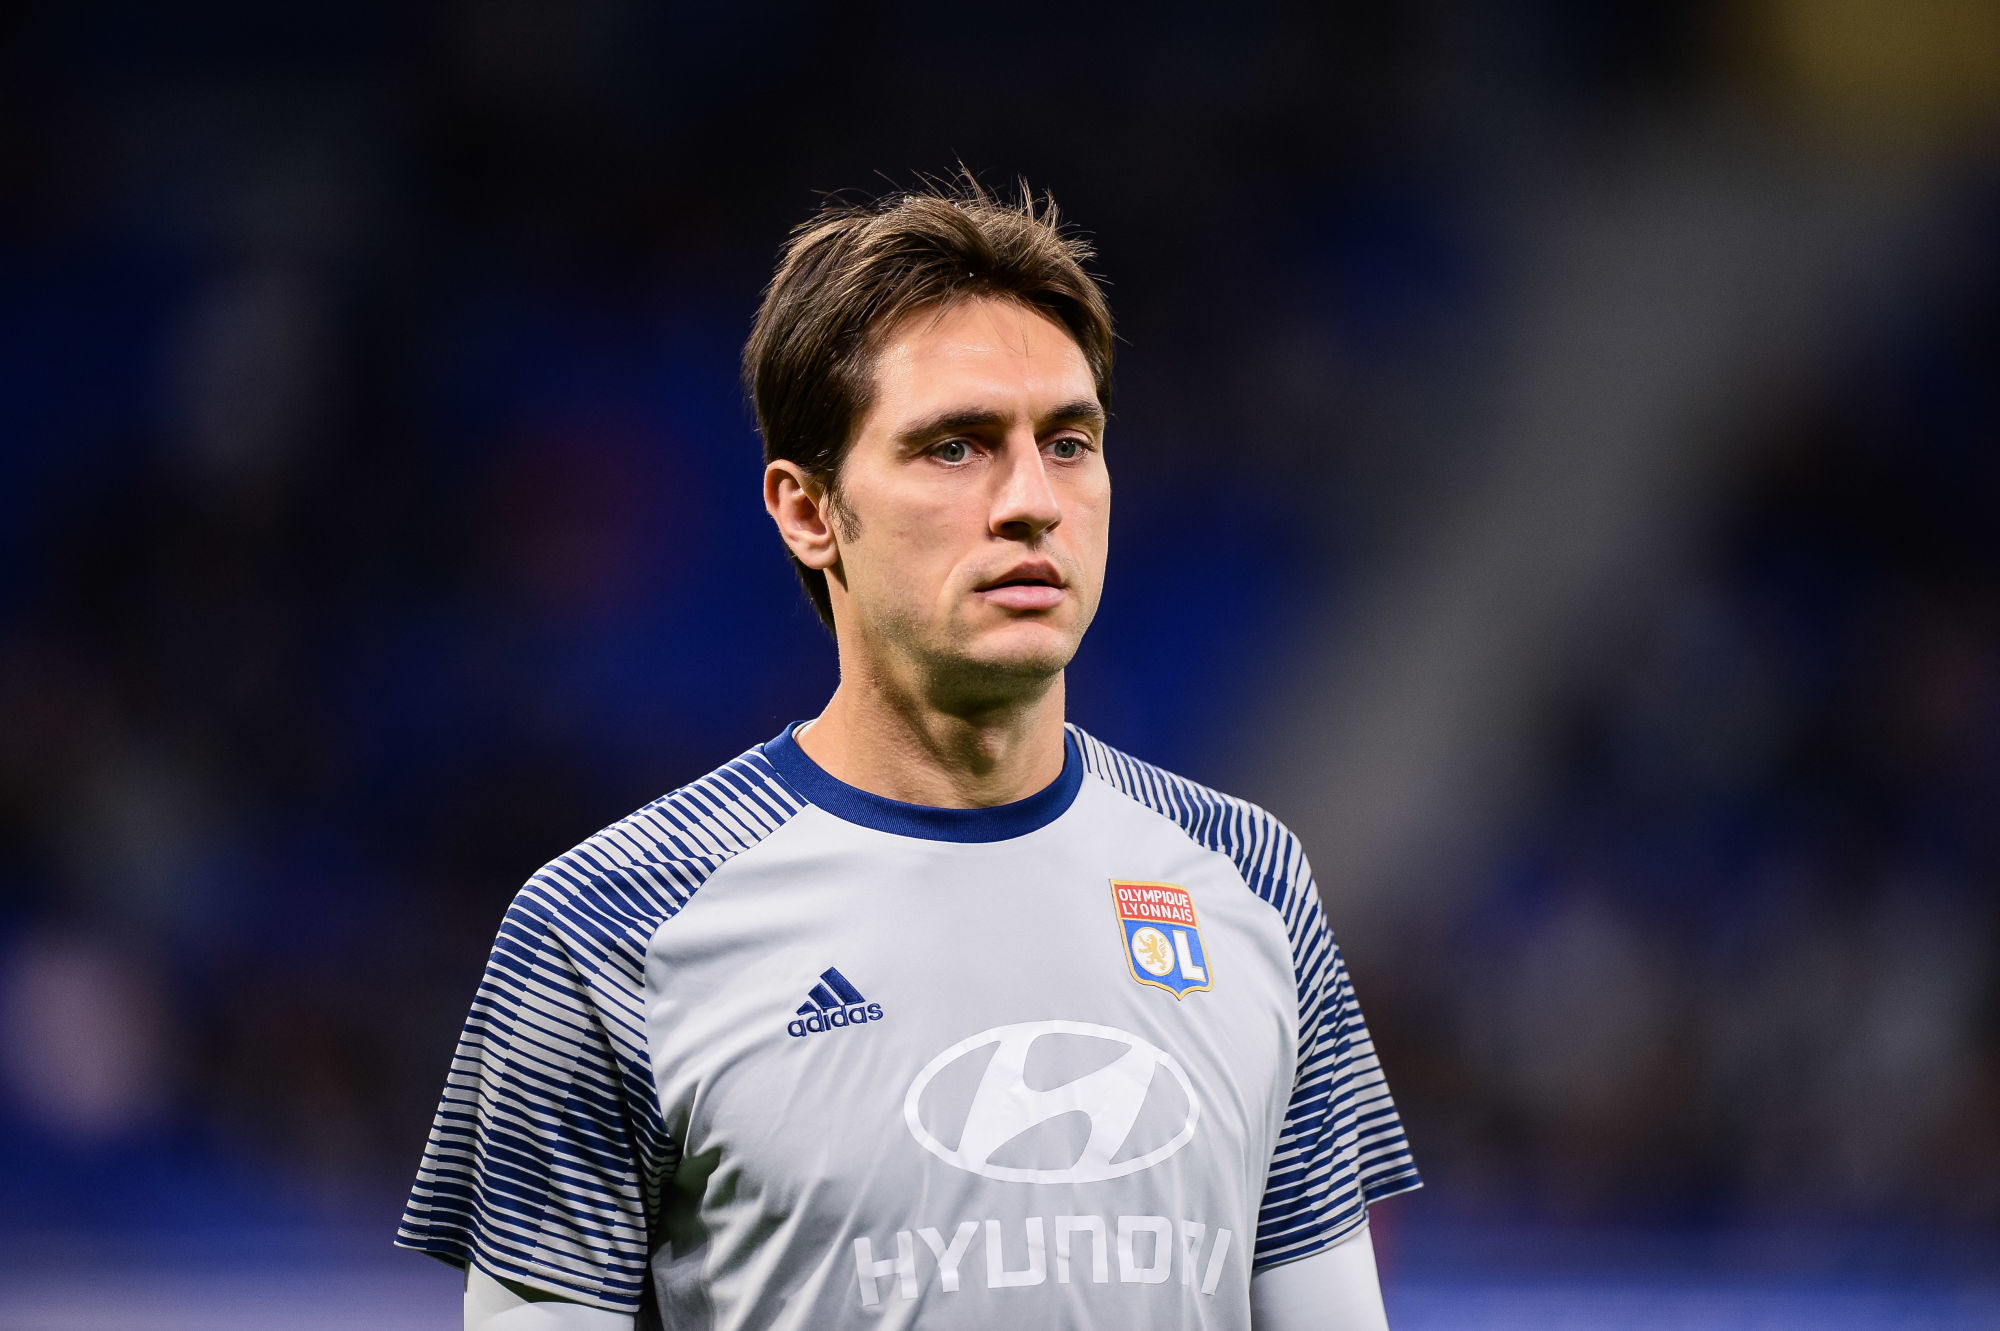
1034	587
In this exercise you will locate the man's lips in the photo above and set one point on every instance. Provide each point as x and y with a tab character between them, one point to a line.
1027	587
1023	595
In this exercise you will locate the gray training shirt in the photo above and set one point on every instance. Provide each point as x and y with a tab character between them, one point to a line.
776	1052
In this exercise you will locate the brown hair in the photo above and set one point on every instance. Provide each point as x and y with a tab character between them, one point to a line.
853	271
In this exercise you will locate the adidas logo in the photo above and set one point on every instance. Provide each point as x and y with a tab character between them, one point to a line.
833	1003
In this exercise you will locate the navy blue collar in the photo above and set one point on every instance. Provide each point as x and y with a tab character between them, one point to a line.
852	804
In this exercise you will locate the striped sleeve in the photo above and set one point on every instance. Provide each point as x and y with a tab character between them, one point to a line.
548	1154
1341	1147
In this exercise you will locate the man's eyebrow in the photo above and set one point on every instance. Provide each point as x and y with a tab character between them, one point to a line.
1083	411
951	422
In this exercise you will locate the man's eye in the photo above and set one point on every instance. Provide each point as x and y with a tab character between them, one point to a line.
951	450
1067	448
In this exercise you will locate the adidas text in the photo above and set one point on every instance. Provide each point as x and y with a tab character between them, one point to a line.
854	1014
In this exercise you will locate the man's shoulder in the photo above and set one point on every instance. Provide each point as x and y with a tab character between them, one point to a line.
1262	847
650	862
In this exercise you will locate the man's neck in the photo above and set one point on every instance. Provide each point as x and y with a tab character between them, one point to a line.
899	748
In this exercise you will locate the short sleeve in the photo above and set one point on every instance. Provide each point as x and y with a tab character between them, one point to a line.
1342	1145
543	1161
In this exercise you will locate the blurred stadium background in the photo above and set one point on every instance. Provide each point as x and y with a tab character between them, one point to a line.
1558	470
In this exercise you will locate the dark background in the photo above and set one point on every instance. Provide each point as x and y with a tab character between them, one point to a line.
1556	468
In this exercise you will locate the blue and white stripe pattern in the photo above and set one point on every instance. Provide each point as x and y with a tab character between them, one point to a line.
548	1154
1342	1147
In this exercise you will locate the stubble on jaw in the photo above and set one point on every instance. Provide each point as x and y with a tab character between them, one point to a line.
965	686
951	676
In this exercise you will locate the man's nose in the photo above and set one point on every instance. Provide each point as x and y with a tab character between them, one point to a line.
1026	504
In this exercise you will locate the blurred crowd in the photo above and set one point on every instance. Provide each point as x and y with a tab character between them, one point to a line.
1743	958
378	518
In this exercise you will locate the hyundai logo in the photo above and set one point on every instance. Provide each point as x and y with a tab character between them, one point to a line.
1056	1102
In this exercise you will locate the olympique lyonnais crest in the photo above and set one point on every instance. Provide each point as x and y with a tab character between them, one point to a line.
1162	937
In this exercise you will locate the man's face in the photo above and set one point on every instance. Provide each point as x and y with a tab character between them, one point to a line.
975	503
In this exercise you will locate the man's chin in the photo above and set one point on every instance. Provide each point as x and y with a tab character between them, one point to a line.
1011	662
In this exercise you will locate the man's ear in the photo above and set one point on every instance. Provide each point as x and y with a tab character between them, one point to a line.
801	508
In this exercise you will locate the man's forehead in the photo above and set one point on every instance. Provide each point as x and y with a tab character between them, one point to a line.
991	355
980	330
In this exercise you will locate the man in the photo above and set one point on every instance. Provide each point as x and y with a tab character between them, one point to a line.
931	1011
